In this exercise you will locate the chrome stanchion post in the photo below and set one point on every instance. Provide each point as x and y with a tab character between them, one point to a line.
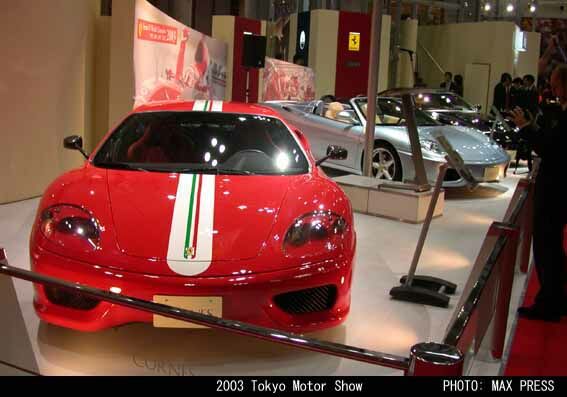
527	229
434	359
506	281
424	289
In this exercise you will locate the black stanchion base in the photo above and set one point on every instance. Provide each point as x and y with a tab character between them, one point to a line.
420	295
432	283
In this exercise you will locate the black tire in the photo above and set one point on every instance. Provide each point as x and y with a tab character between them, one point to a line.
390	159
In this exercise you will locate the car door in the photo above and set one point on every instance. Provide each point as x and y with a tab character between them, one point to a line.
322	132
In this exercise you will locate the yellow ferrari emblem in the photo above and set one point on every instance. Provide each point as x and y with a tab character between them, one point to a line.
189	252
354	41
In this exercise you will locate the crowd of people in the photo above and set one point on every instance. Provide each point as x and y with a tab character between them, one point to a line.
546	135
542	131
519	92
452	84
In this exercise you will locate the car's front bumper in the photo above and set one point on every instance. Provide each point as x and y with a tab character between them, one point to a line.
247	298
482	172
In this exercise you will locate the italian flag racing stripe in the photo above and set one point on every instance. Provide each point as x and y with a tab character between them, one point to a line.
196	220
207	106
190	249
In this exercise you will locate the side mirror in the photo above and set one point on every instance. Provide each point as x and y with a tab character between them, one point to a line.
75	142
345	117
334	153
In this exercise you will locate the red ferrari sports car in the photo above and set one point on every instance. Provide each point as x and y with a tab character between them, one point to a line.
209	206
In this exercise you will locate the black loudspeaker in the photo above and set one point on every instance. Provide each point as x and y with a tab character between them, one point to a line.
254	51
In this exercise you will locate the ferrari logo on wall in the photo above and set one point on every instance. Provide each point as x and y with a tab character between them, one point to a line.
354	41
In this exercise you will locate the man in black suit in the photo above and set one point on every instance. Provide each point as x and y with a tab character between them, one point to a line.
549	140
517	93
448	84
531	96
502	94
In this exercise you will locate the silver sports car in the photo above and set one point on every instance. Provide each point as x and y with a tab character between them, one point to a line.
343	124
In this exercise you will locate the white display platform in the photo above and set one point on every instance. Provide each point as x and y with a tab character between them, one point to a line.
385	249
370	196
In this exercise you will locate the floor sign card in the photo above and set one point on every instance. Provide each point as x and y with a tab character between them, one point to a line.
287	81
173	61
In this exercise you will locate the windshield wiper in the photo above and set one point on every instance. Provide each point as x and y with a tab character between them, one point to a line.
208	171
195	170
121	166
223	171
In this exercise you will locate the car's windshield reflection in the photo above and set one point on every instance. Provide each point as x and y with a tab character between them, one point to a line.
195	142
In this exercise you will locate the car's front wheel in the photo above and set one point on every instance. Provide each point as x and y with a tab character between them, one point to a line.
386	164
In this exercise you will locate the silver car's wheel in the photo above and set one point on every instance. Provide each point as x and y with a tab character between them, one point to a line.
386	164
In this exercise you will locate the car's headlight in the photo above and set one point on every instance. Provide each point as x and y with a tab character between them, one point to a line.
70	227
315	234
431	146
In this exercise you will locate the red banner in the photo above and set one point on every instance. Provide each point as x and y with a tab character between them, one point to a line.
156	32
287	81
173	61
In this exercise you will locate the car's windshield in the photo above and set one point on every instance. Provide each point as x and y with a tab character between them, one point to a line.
442	101
199	142
389	112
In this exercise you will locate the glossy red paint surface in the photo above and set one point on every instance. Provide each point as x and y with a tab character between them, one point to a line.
252	215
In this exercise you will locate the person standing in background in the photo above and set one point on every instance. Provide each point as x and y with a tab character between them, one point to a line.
548	138
517	93
531	95
448	84
502	98
458	85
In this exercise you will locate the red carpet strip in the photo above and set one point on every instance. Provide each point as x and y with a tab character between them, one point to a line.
539	348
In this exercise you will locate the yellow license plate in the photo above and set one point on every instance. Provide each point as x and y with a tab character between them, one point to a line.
492	174
207	305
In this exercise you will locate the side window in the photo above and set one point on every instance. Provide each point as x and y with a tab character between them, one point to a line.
339	112
392	113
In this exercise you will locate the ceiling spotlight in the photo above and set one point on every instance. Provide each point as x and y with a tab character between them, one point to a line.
487	7
533	8
510	7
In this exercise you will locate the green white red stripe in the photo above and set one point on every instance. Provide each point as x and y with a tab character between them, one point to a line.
190	249
208	106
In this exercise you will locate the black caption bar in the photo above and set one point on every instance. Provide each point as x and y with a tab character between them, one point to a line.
299	385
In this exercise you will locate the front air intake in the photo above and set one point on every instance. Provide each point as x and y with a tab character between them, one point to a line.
306	301
71	300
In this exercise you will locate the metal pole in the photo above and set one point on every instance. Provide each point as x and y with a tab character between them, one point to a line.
433	359
421	181
236	327
527	231
427	224
507	267
396	34
373	86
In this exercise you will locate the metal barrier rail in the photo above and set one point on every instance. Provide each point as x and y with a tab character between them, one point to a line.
424	359
237	327
489	297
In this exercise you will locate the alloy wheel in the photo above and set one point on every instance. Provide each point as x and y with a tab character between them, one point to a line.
383	164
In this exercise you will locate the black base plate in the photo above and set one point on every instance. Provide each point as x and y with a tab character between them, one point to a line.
432	283
419	295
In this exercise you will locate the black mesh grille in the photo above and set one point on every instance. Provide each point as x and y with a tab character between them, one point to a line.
62	297
452	176
308	300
